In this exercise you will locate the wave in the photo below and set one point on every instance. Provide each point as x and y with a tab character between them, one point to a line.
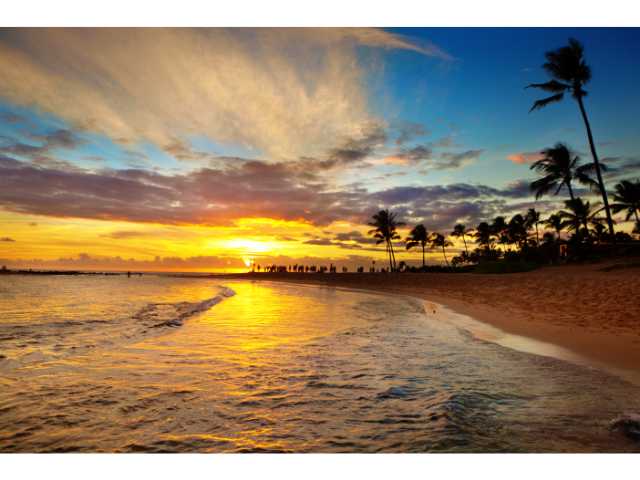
28	344
158	315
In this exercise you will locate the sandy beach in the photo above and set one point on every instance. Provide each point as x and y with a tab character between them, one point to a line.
592	310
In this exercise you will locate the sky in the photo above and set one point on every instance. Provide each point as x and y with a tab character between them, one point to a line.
209	149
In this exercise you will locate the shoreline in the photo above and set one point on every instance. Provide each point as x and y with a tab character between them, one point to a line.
591	312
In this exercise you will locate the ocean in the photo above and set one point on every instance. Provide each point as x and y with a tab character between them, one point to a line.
165	364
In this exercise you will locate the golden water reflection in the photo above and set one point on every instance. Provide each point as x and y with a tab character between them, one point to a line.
282	368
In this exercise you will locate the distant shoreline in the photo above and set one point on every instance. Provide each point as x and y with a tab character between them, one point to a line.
591	310
9	271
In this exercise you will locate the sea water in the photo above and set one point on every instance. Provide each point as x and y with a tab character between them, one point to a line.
165	364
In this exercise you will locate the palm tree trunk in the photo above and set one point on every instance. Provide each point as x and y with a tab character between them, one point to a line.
537	236
393	255
445	257
389	253
423	255
570	191
573	199
465	245
596	162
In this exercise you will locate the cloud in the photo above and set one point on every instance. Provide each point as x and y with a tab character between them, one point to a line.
6	239
45	145
319	241
524	157
425	155
354	235
181	150
349	241
120	234
410	156
407	131
282	92
220	195
622	168
457	160
359	146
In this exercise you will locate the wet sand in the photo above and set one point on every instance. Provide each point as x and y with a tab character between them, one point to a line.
592	310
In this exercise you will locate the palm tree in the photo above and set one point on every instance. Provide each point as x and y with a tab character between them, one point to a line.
560	167
460	231
499	229
484	235
418	237
555	221
599	232
569	74
531	220
627	197
439	240
579	214
516	231
385	224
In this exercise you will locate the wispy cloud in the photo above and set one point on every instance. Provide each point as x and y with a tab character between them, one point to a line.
282	92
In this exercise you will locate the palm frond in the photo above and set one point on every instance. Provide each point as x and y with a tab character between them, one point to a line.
546	101
544	185
552	86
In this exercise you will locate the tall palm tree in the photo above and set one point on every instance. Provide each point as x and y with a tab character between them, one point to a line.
627	197
559	167
460	230
531	220
555	221
439	241
580	214
385	230
484	235
569	74
418	236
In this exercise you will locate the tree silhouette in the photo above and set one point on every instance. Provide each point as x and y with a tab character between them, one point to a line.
499	230
627	197
532	219
385	230
555	221
578	214
484	235
418	237
517	230
559	167
569	74
439	241
460	230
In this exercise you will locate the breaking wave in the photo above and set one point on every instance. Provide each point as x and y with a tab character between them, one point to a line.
28	343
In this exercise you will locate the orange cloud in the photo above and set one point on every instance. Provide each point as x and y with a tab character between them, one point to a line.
524	157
